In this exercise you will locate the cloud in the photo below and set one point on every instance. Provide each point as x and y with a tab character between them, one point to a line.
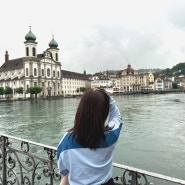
99	35
177	15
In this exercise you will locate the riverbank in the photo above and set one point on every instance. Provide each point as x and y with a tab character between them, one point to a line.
115	93
150	92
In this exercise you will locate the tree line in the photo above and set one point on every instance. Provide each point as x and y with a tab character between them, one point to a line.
8	91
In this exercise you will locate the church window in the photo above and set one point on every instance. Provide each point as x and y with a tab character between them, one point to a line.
58	74
42	72
33	51
48	72
35	72
56	55
27	51
26	71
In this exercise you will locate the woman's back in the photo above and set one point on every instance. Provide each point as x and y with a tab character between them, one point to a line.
85	165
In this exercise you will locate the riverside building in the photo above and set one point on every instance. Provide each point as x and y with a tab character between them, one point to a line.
72	82
42	70
130	80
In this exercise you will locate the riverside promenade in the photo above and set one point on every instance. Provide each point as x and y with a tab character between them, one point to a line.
26	162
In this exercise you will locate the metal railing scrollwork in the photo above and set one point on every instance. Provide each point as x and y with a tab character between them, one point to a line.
24	162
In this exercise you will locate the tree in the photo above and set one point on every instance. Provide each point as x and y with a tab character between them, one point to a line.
19	90
175	85
2	90
83	89
8	91
35	90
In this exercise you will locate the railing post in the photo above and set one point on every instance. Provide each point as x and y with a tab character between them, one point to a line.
133	178
3	149
51	155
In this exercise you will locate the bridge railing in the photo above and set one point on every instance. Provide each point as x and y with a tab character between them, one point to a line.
25	162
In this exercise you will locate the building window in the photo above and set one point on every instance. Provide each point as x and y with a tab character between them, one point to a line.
35	84
58	74
53	73
33	51
26	71
27	51
42	72
56	55
48	72
35	72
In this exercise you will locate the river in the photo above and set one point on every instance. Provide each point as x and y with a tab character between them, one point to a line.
152	138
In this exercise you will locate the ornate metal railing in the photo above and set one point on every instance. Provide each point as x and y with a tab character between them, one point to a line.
26	162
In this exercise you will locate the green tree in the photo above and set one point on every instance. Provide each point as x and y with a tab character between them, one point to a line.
83	89
35	90
8	91
175	85
19	90
1	90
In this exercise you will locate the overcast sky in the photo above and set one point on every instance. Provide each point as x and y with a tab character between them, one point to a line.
98	35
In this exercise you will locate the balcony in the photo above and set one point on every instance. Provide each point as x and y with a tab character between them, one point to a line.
27	162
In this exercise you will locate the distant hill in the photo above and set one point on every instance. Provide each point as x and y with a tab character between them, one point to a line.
149	70
176	70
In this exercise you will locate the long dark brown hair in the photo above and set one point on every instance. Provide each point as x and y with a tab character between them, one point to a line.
89	124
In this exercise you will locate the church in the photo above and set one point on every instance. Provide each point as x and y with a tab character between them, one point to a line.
42	70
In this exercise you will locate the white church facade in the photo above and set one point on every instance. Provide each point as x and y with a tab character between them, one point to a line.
42	70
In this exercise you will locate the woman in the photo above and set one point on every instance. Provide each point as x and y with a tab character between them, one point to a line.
85	152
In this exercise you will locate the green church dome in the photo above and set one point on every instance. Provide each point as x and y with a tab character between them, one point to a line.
30	36
53	44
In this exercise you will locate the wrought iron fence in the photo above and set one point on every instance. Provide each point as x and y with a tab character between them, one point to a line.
24	162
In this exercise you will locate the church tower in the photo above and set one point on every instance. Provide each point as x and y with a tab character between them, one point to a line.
53	48
30	44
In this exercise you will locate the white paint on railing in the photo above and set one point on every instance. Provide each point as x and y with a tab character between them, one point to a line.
156	175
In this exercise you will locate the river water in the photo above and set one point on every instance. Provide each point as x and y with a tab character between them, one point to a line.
152	138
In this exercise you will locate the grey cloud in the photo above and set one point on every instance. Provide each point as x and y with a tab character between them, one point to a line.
113	48
177	15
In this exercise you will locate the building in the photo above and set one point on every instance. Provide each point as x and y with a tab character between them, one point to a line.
158	84
180	81
147	81
43	70
115	80
101	81
129	80
167	83
72	82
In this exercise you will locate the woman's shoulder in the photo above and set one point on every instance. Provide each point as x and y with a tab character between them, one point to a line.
69	141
